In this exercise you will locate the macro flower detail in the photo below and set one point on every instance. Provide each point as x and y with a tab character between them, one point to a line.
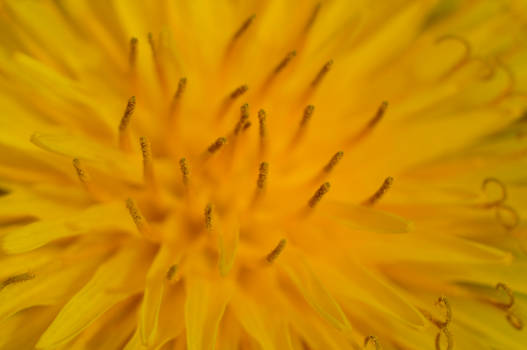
264	175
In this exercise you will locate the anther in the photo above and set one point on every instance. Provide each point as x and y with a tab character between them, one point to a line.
83	175
17	279
503	191
148	164
284	62
448	336
322	73
238	92
262	176
138	218
371	123
503	287
208	217
276	251
244	116
371	339
132	58
380	192
172	270
333	162
185	171
319	194
217	145
245	25
124	137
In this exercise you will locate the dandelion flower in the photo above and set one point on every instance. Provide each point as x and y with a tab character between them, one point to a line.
263	174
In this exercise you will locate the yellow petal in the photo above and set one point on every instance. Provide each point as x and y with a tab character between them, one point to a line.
122	319
42	290
204	308
114	281
315	293
75	146
103	218
14	205
153	295
270	331
15	333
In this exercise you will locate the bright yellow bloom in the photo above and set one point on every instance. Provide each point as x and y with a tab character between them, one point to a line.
187	175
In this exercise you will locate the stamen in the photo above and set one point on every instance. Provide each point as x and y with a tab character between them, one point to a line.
172	272
245	25
152	44
262	176
274	73
244	116
509	221
503	189
285	61
138	218
448	335
208	217
319	194
445	304
148	164
514	320
124	137
185	172
308	113
84	177
229	100
333	162
238	92
262	118
373	340
508	291
371	124
466	45
380	192
216	145
17	279
512	81
276	251
325	69
313	17
246	126
132	58
182	84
